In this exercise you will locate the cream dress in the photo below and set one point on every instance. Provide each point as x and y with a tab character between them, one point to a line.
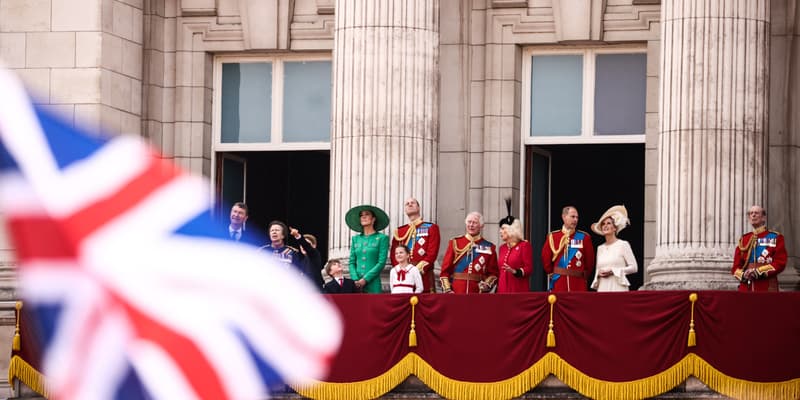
618	257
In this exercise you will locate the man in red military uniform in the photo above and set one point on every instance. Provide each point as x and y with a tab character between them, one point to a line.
760	255
568	255
422	241
470	261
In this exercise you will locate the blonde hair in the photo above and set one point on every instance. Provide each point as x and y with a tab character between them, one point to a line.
515	230
331	262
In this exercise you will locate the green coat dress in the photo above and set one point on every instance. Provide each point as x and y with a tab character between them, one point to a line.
367	259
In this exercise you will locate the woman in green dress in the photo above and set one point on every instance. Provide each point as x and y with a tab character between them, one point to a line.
368	249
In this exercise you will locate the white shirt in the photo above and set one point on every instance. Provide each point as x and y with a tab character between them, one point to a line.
618	258
408	282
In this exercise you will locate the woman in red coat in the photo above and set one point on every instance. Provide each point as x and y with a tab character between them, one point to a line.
515	256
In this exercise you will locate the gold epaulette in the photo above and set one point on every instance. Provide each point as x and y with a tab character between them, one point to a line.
459	252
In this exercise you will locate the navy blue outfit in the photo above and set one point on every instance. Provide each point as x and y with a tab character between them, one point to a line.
286	255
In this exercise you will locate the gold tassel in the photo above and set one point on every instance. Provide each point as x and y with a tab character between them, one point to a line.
16	345
412	336
551	336
692	339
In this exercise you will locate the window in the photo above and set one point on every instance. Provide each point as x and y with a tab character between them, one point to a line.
584	96
272	103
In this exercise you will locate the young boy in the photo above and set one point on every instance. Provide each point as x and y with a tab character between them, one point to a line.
339	284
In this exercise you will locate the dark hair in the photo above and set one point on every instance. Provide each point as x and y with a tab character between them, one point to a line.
242	206
283	226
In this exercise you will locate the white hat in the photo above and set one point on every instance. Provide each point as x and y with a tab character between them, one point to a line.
620	216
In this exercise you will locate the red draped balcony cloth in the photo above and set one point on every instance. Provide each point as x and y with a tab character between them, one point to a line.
606	345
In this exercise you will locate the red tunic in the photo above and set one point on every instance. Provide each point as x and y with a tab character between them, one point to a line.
579	268
519	257
468	261
424	240
764	251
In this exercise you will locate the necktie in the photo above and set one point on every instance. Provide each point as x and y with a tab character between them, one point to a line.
341	281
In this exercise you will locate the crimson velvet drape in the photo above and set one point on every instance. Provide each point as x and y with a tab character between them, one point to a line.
607	345
747	338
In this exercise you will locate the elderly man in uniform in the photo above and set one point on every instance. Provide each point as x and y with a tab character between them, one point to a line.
760	255
470	261
422	241
568	255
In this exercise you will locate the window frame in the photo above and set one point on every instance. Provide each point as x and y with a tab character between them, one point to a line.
276	142
587	135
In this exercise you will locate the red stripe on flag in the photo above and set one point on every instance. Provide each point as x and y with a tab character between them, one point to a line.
39	237
87	220
196	368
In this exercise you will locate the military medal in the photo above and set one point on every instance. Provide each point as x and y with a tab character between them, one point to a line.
421	241
481	260
477	268
578	264
578	255
421	252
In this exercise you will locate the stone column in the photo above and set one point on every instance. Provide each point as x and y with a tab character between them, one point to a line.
712	158
384	144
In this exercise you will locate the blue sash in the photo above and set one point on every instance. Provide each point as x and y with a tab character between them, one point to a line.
413	238
771	240
467	259
563	262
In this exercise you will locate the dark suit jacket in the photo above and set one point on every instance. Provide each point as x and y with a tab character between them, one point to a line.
332	287
312	263
249	236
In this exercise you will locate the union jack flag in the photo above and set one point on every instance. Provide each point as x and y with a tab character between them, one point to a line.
136	295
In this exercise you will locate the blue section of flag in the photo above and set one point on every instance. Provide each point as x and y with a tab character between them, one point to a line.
46	317
131	387
66	144
6	161
202	226
267	373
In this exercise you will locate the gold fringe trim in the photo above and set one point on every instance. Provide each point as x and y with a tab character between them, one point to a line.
25	373
551	363
692	339
740	388
368	389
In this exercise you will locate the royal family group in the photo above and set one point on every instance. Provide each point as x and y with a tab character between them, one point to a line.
472	264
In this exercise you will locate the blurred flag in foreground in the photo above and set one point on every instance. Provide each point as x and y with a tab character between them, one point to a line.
136	295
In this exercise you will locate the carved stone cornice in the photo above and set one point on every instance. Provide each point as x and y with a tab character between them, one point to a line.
313	27
325	7
523	28
509	4
213	35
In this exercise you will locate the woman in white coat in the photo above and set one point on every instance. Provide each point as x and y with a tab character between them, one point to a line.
615	258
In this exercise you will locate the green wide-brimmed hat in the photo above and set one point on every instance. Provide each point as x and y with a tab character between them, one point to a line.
353	217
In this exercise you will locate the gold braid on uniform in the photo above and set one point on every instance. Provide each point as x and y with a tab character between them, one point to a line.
412	230
460	252
561	245
751	244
